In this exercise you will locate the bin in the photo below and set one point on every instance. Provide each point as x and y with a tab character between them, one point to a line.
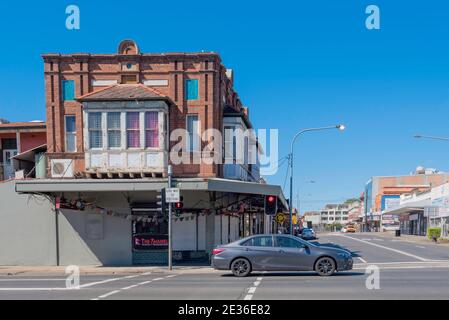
398	233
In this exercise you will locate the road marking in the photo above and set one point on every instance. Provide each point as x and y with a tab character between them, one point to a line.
30	280
421	247
361	259
109	294
130	287
446	262
387	248
252	290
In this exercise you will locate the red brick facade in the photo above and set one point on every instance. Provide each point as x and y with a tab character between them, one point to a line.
215	91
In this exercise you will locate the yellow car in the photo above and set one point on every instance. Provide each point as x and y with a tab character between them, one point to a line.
351	229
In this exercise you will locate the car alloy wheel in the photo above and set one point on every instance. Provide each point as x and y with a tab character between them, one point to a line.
325	266
241	267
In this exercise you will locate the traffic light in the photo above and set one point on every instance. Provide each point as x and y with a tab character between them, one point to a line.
271	205
162	204
179	206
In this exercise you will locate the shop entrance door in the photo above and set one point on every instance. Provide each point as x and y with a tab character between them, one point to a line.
8	167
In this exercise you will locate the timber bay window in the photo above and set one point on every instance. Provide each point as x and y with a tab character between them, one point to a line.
95	130
70	134
133	130
114	130
151	130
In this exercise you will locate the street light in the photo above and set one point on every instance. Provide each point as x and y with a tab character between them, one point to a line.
419	136
340	127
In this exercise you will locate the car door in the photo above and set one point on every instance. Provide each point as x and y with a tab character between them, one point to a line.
261	252
292	254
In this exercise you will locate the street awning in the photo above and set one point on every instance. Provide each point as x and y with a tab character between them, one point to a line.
28	156
408	208
129	185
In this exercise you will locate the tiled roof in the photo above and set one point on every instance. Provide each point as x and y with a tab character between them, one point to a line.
22	125
124	92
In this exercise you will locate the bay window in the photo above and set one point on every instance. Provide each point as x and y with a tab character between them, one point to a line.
151	130
95	130
133	129
114	130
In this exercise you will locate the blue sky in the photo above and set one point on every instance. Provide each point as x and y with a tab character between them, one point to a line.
298	64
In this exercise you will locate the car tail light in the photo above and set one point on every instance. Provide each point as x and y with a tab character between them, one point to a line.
217	251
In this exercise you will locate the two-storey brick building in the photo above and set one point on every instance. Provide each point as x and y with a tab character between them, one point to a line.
113	123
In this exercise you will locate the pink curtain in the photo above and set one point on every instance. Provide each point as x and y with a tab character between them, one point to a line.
151	130
133	129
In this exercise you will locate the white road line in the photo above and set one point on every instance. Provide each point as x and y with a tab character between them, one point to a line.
157	279
252	290
248	297
406	267
109	294
407	262
256	284
361	259
387	248
421	247
130	287
31	280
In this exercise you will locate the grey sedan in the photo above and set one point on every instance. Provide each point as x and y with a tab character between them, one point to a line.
279	253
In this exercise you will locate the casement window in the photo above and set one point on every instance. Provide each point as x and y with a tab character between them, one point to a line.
114	130
193	129
70	134
95	130
191	89
151	130
133	130
68	90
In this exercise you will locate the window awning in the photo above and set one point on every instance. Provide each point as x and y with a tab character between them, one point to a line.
130	185
408	208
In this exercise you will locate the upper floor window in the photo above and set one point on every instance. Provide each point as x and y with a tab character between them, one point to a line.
68	90
191	89
95	130
114	130
193	129
151	130
70	134
133	129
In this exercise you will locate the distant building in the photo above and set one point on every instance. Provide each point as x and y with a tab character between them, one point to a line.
334	214
313	217
383	194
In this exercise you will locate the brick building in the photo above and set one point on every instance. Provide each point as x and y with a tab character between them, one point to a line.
191	91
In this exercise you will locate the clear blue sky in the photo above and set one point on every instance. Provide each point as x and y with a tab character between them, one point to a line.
297	64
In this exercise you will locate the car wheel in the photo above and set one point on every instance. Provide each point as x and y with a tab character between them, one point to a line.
241	267
325	266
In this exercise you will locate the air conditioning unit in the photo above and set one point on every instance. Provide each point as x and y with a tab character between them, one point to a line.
62	168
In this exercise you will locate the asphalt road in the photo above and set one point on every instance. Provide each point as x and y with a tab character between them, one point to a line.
406	271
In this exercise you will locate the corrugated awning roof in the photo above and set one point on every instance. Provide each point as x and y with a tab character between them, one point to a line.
126	185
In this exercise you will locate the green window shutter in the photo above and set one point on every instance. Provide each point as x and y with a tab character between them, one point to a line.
192	89
68	90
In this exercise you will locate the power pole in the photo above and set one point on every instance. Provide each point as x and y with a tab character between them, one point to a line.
170	236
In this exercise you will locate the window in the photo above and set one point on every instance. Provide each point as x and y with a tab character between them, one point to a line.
286	242
191	89
95	130
230	145
259	242
70	134
151	130
133	129
114	130
68	90
193	128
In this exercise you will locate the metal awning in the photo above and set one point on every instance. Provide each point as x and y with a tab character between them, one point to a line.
28	156
129	185
408	208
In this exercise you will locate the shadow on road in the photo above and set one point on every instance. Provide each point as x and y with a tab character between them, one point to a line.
296	274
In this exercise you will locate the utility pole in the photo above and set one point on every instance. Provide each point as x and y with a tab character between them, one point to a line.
170	235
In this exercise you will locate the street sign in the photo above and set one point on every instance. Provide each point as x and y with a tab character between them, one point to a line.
172	195
280	218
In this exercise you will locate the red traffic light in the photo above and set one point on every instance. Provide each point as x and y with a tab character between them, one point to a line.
271	198
179	205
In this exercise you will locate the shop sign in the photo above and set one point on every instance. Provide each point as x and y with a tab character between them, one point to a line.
150	242
413	217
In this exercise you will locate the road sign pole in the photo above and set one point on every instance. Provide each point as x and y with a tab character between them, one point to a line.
170	236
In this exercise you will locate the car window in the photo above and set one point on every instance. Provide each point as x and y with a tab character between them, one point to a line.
259	242
286	242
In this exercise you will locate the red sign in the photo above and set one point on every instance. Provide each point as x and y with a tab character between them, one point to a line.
150	242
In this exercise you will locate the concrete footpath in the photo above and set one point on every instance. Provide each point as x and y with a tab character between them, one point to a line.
409	238
98	270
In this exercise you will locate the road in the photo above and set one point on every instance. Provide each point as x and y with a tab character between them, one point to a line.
407	270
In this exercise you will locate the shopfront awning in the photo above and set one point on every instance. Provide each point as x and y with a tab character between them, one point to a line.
408	208
129	185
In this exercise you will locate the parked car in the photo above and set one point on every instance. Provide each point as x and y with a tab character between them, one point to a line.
279	253
308	234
